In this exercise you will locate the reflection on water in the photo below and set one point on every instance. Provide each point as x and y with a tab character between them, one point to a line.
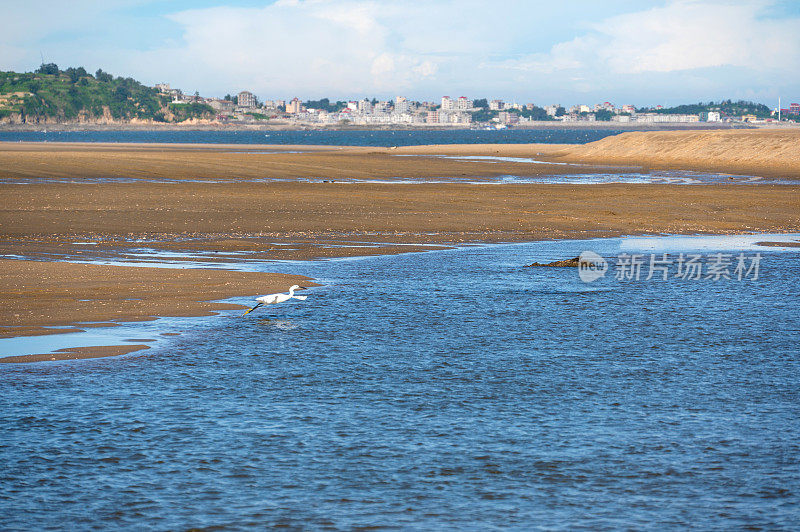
706	243
656	177
322	137
124	333
450	389
283	325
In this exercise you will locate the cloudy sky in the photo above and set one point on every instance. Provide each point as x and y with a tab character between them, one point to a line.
569	51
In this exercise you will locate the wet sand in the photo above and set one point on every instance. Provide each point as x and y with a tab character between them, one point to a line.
228	216
76	353
58	294
215	205
227	163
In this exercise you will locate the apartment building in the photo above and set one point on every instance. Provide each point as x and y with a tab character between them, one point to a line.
246	99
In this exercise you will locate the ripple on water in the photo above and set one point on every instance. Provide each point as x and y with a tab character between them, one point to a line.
451	389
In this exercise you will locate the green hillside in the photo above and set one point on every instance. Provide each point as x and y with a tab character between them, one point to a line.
50	94
725	108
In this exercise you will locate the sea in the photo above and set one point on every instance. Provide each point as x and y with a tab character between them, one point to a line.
453	389
383	138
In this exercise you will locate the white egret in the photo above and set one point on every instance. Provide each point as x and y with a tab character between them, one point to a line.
273	299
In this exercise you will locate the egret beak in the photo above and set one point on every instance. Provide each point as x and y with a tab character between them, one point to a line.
251	310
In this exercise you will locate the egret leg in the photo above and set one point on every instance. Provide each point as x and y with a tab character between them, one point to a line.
251	310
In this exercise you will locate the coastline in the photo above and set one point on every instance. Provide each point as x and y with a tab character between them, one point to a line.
215	204
287	126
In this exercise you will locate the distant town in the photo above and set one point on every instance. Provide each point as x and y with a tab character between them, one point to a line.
51	95
461	110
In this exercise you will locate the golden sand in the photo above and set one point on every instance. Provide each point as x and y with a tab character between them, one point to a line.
757	152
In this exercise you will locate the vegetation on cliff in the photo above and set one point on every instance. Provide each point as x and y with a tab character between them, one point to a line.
53	95
724	107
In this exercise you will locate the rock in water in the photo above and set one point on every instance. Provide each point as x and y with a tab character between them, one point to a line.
567	263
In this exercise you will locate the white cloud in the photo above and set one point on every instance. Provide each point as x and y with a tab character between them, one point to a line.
337	48
683	35
532	50
301	47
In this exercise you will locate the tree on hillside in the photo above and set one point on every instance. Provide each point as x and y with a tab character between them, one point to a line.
323	104
76	73
483	114
121	93
480	103
103	76
49	68
603	115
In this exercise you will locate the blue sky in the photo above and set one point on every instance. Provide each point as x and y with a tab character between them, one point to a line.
623	51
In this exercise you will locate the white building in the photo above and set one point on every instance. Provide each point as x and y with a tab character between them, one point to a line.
381	107
400	105
364	107
246	99
463	104
295	107
656	118
218	105
454	117
714	116
496	105
508	118
447	103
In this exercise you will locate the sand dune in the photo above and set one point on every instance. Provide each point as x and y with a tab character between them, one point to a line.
757	152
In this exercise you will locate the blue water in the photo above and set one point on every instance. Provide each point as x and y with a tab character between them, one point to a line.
333	138
450	389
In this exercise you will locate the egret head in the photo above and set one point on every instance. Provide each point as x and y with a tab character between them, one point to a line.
295	287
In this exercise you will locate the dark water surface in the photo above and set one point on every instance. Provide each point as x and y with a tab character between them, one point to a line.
333	138
450	389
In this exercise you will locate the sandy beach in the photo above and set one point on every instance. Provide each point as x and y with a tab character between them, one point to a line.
54	198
